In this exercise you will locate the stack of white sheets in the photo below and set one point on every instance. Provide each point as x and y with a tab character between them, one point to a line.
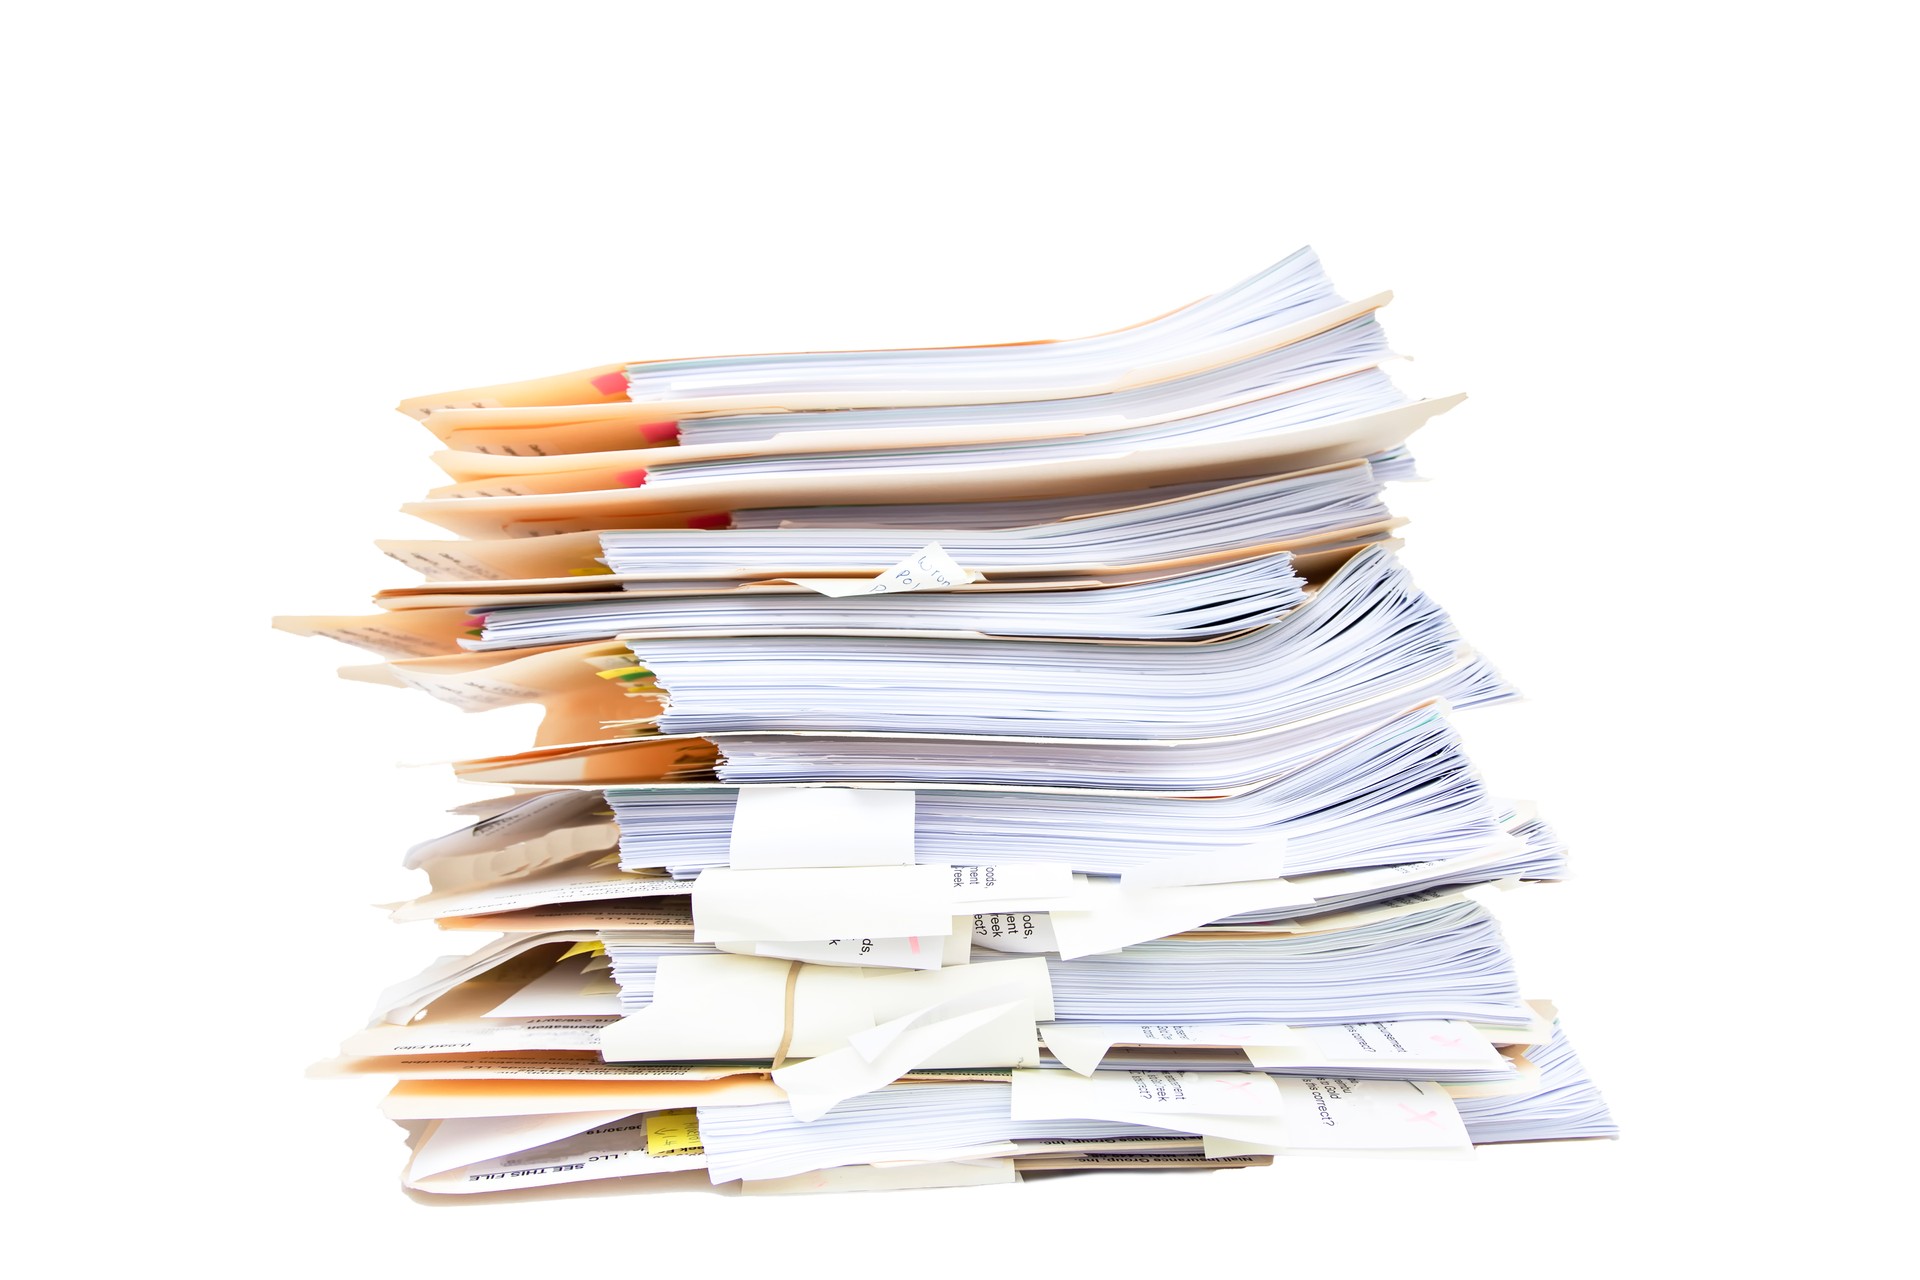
956	765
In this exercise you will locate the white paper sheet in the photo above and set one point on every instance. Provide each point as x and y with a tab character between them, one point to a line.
453	1143
1127	1095
1015	886
1080	1046
1335	1115
882	1054
1117	916
1265	860
731	905
729	1007
787	827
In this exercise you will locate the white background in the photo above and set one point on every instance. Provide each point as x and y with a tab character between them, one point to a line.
1668	249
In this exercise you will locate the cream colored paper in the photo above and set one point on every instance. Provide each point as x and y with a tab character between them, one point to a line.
603	384
1013	886
731	1007
1081	1046
573	557
1344	1116
416	633
483	681
455	1024
522	819
401	1002
1000	1016
1429	1041
735	1007
1247	1105
573	988
440	1035
586	841
883	953
1117	916
892	994
555	886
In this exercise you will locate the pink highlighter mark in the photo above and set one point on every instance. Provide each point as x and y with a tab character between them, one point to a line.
914	944
611	384
659	432
1451	1043
718	520
1421	1117
632	479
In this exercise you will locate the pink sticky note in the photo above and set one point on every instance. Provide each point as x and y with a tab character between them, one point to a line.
718	520
657	432
611	384
632	479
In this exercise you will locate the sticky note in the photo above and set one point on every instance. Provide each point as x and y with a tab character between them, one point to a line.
674	1133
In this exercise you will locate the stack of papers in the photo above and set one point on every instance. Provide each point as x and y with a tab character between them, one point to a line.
955	765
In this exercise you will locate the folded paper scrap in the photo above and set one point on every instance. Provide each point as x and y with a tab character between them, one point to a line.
954	766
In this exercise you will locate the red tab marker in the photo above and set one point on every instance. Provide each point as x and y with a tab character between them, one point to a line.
718	520
611	384
632	479
657	432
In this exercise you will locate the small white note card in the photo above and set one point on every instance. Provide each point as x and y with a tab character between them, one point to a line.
779	828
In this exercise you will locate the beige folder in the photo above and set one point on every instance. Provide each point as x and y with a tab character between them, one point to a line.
491	474
566	562
1291	451
588	410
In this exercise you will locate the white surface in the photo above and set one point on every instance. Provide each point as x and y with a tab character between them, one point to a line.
1666	248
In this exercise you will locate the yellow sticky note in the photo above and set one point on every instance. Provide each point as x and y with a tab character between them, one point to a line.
674	1133
594	948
